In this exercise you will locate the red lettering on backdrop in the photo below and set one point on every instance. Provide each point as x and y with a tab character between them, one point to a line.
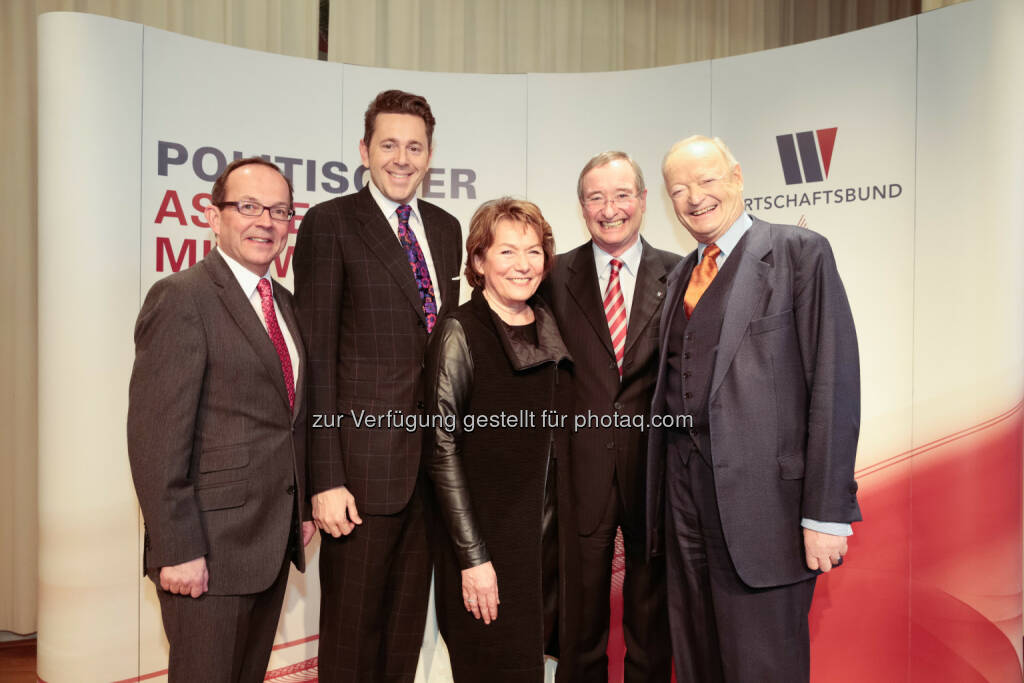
170	199
282	268
199	203
292	227
163	247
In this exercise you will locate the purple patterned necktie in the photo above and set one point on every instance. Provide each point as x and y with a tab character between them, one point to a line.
418	264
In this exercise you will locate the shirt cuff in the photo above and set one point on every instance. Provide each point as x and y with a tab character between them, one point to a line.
833	528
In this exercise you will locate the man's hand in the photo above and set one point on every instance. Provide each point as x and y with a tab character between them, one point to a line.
187	578
308	529
823	551
335	512
480	591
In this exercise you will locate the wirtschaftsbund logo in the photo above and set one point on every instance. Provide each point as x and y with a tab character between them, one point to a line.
812	146
806	157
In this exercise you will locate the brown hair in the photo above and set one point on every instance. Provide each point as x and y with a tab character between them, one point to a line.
220	184
398	102
481	232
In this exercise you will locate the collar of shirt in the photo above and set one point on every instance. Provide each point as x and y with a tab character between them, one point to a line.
246	278
388	207
729	240
627	274
630	259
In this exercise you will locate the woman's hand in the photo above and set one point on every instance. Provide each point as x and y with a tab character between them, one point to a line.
480	591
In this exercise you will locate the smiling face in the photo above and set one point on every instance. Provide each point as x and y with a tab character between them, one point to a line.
707	195
513	266
398	155
253	241
612	207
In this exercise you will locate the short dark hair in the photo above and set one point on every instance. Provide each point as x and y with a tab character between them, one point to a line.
481	232
220	184
398	102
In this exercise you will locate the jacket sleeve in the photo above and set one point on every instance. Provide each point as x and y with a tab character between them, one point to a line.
163	400
449	379
319	283
828	345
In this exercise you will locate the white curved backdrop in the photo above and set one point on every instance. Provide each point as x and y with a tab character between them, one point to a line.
911	163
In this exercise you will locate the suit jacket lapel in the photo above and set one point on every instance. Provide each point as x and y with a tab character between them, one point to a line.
376	232
674	300
288	313
648	293
747	290
585	290
242	312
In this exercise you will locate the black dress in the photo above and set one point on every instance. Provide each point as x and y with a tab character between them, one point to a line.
493	472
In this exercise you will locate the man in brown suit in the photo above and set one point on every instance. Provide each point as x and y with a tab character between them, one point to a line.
616	364
218	463
372	272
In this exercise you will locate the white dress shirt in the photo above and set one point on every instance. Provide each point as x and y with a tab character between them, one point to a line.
627	273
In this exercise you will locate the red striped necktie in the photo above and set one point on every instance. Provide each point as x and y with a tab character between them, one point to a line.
615	312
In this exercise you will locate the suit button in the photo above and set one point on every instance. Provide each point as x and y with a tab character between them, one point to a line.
689	336
618	405
290	490
688	394
686	375
419	405
612	365
853	487
610	445
693	431
686	355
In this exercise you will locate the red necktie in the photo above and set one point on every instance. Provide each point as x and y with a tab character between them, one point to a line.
701	279
276	338
615	312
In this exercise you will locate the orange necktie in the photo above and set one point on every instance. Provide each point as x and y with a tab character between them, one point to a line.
701	279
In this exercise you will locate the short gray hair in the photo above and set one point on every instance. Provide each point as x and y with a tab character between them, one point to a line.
605	158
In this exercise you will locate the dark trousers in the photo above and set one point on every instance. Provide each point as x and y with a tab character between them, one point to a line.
374	587
222	638
644	612
723	630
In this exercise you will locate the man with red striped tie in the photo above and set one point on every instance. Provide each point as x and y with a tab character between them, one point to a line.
607	295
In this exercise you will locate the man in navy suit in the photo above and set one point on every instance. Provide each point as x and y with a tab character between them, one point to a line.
755	496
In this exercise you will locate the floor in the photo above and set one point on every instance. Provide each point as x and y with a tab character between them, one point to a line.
18	661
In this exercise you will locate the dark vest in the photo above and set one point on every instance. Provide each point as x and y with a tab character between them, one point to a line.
691	352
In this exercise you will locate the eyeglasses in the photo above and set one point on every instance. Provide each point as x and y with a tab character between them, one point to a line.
254	209
619	199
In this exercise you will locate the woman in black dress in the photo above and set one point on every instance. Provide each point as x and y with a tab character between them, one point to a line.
499	385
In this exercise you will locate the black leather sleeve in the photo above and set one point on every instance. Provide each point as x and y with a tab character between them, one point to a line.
449	378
